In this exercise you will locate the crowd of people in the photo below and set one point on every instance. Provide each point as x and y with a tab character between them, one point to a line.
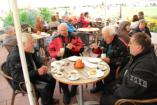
127	46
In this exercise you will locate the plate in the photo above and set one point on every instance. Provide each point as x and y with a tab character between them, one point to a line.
59	74
103	66
74	77
54	70
99	73
73	72
45	34
57	63
94	60
73	58
92	72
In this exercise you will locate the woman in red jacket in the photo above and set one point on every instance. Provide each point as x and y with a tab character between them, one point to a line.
84	23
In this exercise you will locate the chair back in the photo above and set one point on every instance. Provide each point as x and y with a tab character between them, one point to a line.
84	37
155	49
6	74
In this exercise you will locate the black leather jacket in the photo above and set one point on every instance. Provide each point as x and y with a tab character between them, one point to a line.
116	51
15	68
140	77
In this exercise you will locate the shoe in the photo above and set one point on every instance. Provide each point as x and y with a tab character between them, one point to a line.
73	91
55	101
66	99
95	90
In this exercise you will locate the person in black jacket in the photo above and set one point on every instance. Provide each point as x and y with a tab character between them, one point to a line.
116	54
142	27
138	79
43	82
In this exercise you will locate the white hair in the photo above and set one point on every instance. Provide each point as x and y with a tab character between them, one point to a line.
25	40
63	24
110	29
26	37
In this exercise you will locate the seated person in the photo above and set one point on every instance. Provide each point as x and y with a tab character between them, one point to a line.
82	20
10	39
142	27
71	28
116	54
72	46
54	23
138	79
43	82
123	30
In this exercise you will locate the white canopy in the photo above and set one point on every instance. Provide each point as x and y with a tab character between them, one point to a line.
49	3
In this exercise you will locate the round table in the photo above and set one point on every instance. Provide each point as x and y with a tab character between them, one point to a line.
84	79
91	29
42	35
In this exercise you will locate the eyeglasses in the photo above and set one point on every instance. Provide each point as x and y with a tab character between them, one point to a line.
64	30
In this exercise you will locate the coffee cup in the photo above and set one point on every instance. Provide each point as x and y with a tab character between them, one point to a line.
62	51
103	56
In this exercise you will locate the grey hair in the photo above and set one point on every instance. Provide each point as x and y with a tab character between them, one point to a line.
63	24
26	37
110	29
143	21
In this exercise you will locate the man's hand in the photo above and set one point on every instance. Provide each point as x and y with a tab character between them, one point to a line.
69	46
106	59
94	45
42	70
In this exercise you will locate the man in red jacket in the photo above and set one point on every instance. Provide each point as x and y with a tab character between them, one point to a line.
72	45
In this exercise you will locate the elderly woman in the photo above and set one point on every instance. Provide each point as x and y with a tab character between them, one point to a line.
135	22
54	23
10	40
84	23
39	24
142	27
123	30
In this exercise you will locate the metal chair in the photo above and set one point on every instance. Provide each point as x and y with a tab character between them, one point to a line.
155	49
8	78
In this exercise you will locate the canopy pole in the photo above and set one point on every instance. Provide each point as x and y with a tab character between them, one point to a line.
13	4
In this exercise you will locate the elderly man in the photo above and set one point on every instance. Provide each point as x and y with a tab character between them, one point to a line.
44	83
10	39
138	81
72	45
64	45
116	54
